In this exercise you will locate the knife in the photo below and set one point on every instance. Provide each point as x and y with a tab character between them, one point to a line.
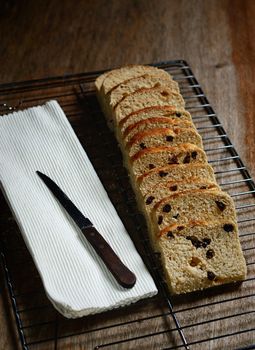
122	274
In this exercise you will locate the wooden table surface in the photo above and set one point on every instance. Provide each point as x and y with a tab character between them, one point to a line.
47	38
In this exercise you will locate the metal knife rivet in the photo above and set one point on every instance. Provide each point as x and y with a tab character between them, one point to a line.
92	233
101	246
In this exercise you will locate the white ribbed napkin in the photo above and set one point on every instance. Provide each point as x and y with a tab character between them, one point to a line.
75	279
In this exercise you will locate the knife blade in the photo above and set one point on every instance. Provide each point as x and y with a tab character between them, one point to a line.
121	273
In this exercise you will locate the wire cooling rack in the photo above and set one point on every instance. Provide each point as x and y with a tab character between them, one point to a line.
220	318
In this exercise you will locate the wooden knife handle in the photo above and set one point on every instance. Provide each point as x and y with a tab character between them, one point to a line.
122	274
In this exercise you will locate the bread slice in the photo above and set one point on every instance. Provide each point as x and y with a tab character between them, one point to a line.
155	157
152	123
158	96
171	112
189	205
119	75
146	81
182	172
199	255
163	137
165	189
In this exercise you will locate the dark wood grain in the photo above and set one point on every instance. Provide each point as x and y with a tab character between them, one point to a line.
46	38
242	30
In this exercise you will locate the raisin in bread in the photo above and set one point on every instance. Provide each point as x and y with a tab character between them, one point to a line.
152	123
155	157
198	255
162	137
181	172
159	96
193	205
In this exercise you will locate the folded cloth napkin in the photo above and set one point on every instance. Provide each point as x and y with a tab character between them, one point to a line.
75	278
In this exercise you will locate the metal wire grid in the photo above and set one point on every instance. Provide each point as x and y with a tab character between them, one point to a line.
181	321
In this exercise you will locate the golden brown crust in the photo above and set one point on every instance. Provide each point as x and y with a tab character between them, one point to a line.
168	109
184	193
178	149
190	180
126	81
164	90
143	68
206	185
145	75
191	223
154	120
150	89
165	169
152	132
156	170
173	227
163	93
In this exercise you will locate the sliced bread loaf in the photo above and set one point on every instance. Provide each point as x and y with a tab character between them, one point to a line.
193	205
201	255
182	172
159	96
190	220
173	113
163	137
142	82
155	157
152	123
